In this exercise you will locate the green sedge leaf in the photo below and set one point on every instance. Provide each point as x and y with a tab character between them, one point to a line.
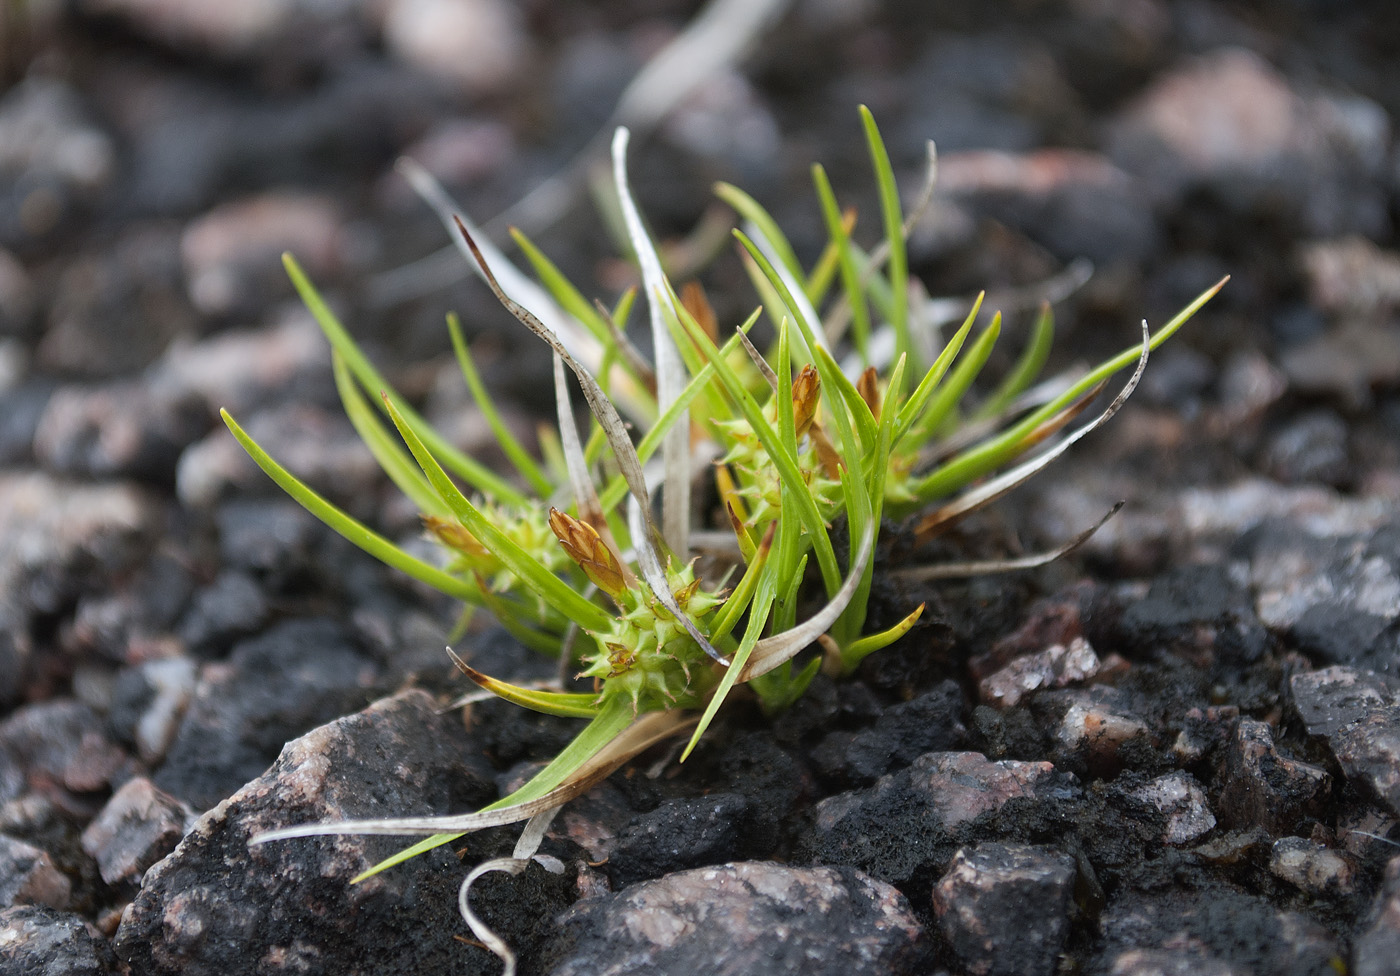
797	488
527	466
978	460
944	402
562	704
386	450
549	587
738	601
857	651
758	618
352	529
752	211
911	410
850	272
477	475
894	236
1027	368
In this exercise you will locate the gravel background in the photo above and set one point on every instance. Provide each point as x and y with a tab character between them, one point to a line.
1177	751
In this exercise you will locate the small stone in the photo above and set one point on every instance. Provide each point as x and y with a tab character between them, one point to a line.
1183	805
117	308
1169	962
123	430
1055	667
892	828
218	905
1004	908
62	746
320	448
1215	930
170	683
1369	752
1317	870
138	826
1351	275
271	689
681	834
16	296
738	919
930	723
1051	621
1097	722
1330	698
44	942
1077	204
232	253
1313	447
28	877
229	609
477	44
1378	945
1267	788
243	369
52	159
1347	361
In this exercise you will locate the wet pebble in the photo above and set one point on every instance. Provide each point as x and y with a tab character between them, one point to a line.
53	160
1264	786
1337	597
138	826
1348	362
1217	931
1054	667
148	702
232	607
63	749
28	877
1004	908
477	45
43	941
1351	275
1077	204
682	834
1378	944
1312	868
217	905
932	722
1097	722
742	918
1311	448
244	369
893	828
1183	805
122	430
1229	121
231	255
117	308
270	689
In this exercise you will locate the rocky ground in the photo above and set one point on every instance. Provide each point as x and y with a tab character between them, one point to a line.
1176	752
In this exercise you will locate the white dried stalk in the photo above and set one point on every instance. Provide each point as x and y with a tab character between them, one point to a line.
670	371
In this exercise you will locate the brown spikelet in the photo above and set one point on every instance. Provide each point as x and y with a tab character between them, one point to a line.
587	548
868	386
694	300
806	395
454	535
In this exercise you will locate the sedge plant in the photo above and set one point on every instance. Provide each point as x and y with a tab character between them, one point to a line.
588	553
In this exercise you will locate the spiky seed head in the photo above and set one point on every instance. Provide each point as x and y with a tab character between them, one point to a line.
868	386
587	548
806	395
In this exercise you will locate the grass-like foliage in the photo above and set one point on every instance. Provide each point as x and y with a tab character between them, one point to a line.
589	556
